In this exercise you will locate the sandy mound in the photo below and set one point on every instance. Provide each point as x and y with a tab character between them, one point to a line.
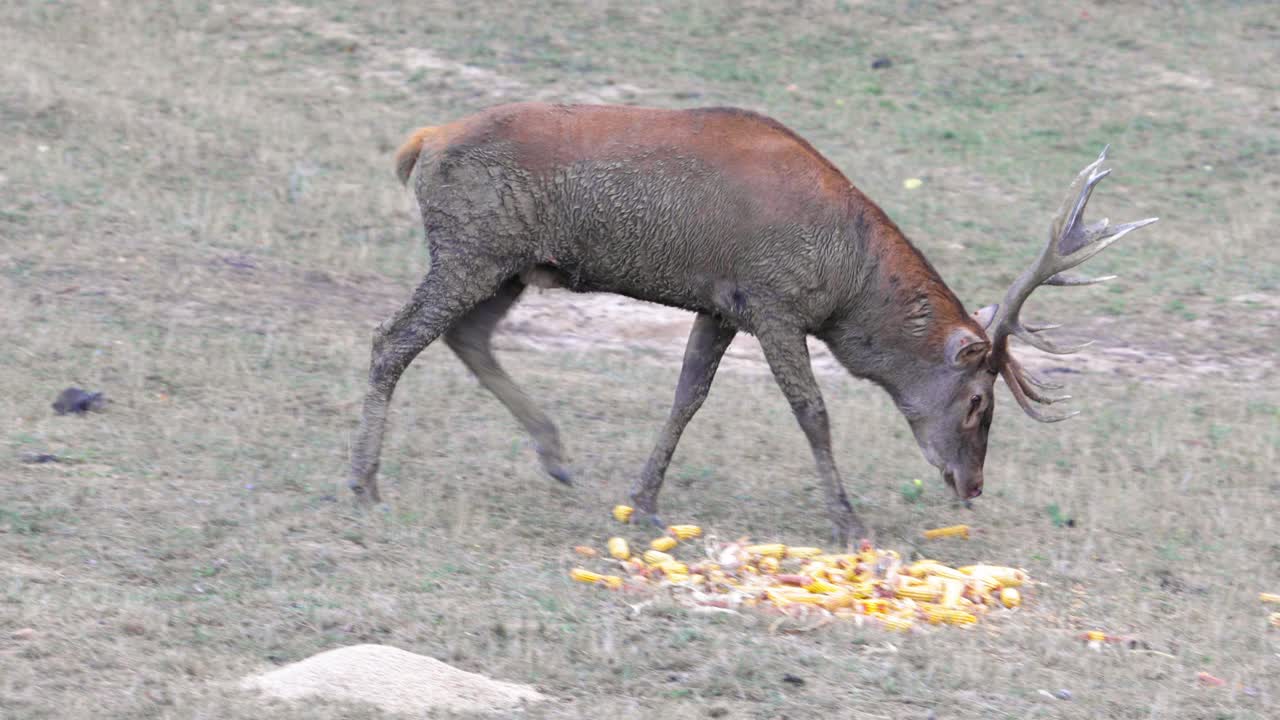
392	679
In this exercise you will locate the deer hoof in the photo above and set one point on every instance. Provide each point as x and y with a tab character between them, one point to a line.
561	475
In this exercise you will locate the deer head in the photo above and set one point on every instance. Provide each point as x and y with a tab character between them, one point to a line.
954	436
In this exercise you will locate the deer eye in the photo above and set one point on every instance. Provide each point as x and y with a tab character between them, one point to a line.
974	402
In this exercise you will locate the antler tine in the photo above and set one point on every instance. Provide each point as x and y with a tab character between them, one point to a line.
1071	242
1021	396
1027	383
1068	279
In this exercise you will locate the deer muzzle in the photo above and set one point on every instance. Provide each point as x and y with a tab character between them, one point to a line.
967	485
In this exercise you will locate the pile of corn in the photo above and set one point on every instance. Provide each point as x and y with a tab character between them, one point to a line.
871	585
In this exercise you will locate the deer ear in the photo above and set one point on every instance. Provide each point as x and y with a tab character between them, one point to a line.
964	348
985	315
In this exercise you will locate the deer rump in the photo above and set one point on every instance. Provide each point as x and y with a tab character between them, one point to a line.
730	215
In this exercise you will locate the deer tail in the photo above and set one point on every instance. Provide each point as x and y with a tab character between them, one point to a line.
407	155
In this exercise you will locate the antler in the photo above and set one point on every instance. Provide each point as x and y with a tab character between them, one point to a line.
1071	242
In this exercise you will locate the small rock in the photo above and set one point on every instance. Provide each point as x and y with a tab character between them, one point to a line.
793	679
133	628
717	711
24	634
881	63
75	400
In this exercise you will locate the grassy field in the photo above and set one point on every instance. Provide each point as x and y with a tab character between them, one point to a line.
198	215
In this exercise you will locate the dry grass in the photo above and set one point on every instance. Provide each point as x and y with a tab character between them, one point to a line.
198	215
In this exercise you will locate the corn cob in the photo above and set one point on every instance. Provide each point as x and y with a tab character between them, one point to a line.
613	582
1010	598
584	575
775	550
768	565
664	543
656	557
685	532
917	592
618	548
1269	597
943	571
622	513
1006	576
1275	619
585	551
1095	636
803	552
949	531
821	586
950	616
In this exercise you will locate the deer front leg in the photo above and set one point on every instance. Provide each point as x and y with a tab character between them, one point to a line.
452	287
707	342
788	357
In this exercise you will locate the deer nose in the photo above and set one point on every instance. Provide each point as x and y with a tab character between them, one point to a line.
974	492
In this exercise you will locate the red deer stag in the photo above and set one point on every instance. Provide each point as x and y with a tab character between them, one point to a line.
732	216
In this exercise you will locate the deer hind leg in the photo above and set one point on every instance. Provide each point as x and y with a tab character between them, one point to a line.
788	357
471	338
454	285
707	342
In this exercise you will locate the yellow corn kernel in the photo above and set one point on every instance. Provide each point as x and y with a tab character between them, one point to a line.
1010	598
678	577
613	582
584	575
900	624
618	548
917	592
951	593
657	557
1096	636
685	532
776	550
821	586
1006	576
622	513
768	565
949	531
803	552
664	543
1269	597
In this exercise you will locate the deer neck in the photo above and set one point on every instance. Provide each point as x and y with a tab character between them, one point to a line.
895	330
